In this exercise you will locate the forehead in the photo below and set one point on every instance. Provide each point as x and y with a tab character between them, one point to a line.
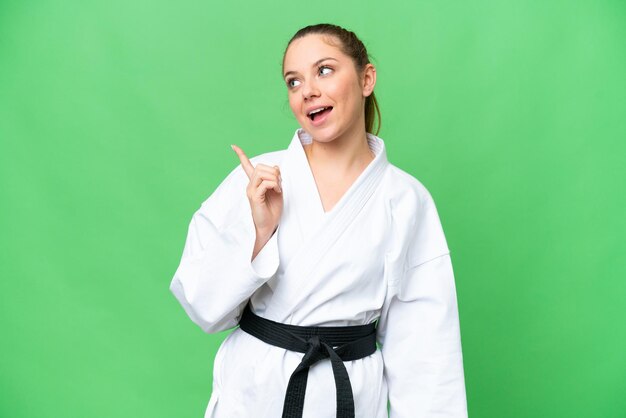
304	52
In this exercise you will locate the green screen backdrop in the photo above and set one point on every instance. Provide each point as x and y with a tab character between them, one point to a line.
115	124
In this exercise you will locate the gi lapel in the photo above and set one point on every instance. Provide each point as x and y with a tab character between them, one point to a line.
301	188
329	228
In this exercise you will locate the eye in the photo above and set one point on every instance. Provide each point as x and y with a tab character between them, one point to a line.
291	81
321	68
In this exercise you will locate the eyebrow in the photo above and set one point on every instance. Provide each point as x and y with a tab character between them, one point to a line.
314	65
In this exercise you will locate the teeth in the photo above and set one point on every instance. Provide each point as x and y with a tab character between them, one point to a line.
316	110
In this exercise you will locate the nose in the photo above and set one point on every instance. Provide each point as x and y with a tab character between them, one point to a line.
310	90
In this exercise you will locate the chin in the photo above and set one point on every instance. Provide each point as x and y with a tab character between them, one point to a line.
326	134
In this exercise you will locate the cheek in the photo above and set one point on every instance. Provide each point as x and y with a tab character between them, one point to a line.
295	106
345	91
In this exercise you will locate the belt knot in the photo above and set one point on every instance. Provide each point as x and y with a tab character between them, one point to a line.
339	343
317	350
314	343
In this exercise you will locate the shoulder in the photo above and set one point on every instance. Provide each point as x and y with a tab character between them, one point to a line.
404	190
415	217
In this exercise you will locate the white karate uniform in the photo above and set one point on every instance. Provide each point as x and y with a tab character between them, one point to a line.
379	253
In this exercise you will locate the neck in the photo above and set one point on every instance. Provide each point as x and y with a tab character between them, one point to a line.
345	153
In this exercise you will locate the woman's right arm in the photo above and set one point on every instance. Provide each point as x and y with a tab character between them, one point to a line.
219	269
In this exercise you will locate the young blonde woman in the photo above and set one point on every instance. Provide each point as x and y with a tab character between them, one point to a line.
319	252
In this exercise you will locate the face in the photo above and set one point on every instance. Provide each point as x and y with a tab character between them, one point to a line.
318	75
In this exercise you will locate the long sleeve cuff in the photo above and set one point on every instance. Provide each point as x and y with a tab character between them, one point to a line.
266	261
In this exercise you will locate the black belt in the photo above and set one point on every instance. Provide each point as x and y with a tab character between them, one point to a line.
351	342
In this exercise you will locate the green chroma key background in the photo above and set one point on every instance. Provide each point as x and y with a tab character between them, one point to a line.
115	124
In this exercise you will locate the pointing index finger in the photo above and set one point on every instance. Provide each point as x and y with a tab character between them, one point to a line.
245	162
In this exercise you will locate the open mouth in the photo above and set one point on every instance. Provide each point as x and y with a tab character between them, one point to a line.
319	113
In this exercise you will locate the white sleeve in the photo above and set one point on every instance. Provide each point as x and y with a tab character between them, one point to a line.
215	277
419	328
421	344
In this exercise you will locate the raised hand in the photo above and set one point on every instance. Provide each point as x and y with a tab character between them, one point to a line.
265	195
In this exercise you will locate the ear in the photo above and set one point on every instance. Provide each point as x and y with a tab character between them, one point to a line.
368	79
